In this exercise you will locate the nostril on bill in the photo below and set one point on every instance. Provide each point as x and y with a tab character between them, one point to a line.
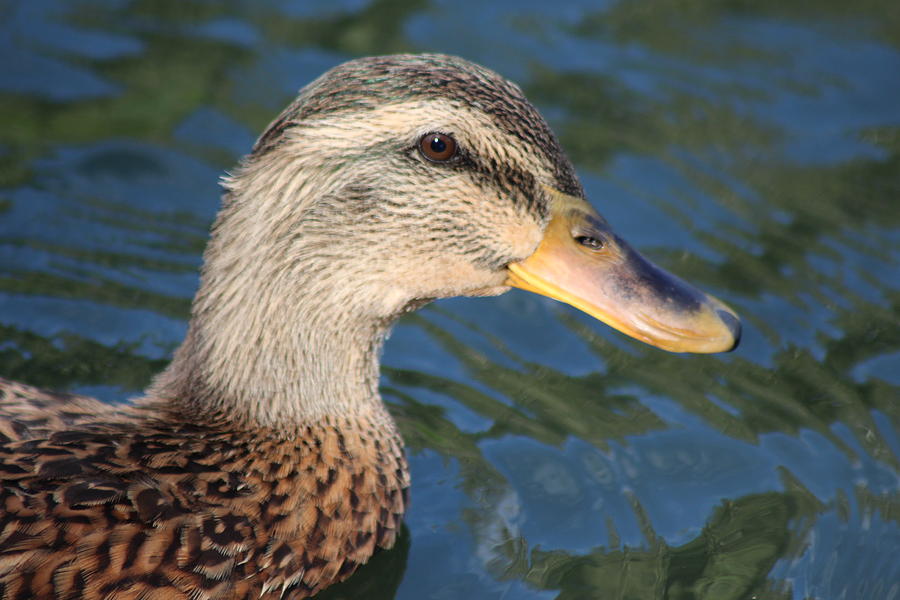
594	243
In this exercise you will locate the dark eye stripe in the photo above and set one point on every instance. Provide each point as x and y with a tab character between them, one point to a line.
437	147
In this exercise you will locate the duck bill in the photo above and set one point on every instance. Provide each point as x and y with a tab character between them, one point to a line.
582	262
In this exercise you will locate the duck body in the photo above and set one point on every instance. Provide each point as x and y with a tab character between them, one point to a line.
262	462
149	504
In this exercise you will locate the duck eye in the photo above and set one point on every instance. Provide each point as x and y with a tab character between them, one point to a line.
437	147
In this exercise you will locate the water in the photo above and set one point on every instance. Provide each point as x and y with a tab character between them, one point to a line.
751	147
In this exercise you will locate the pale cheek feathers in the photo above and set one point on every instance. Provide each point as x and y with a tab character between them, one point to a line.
442	231
442	277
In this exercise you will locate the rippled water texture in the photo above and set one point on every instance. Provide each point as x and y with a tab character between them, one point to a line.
751	147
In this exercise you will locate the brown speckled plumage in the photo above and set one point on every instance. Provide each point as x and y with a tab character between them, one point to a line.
163	507
261	463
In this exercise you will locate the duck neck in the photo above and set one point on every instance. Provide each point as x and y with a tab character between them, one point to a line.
259	369
283	329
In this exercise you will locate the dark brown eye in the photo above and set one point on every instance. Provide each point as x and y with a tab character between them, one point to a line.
437	147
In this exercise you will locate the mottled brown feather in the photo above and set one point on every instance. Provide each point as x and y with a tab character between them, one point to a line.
163	508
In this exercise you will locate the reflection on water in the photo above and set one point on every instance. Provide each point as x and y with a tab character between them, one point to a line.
753	148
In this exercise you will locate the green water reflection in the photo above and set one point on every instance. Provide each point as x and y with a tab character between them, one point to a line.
751	147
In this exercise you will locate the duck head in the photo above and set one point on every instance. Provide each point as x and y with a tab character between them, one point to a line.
391	181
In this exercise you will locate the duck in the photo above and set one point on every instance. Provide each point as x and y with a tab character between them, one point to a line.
262	462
